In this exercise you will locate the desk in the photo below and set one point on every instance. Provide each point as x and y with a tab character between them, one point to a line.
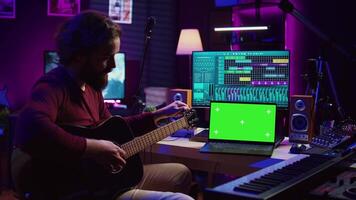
181	150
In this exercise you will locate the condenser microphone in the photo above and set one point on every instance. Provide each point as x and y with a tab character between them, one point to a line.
151	21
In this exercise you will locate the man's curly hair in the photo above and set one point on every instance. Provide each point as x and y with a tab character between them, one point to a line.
84	33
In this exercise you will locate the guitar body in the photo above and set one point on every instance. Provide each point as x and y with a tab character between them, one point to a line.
114	129
78	179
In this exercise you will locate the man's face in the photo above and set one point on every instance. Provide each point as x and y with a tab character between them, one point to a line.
99	64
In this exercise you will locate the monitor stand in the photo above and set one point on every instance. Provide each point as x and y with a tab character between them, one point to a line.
200	135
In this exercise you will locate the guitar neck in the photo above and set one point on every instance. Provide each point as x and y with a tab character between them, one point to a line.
139	143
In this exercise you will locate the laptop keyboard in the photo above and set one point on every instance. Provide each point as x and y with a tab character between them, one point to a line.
240	148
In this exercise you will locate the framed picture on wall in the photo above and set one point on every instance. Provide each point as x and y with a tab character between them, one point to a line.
63	7
8	9
120	11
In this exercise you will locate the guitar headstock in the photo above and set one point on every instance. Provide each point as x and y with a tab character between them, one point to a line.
191	117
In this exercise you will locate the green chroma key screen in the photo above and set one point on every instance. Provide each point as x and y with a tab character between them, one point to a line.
242	121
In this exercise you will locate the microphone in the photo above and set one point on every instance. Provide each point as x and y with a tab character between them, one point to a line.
139	104
151	21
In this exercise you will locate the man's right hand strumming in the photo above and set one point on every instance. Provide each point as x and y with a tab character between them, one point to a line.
105	153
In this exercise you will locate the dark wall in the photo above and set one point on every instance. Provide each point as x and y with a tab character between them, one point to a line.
22	42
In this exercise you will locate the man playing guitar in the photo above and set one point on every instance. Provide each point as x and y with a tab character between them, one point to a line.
91	161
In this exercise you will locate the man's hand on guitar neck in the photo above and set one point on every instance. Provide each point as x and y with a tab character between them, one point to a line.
170	110
105	153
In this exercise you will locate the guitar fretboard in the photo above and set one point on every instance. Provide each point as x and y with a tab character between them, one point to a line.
139	143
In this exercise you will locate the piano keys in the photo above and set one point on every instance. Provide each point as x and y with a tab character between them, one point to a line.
274	181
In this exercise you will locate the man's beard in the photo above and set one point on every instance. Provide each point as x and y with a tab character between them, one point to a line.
97	80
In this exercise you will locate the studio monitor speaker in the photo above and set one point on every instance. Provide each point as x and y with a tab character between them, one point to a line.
301	119
184	95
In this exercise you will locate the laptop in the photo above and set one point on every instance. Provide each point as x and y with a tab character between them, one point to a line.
241	128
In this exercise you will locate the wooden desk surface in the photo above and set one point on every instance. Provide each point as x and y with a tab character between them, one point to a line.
173	149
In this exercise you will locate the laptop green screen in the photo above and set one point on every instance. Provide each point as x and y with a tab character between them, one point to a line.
242	121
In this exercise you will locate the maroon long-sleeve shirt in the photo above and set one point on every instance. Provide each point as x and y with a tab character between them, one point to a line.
56	99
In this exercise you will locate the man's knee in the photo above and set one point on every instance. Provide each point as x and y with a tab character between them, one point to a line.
183	178
173	177
183	173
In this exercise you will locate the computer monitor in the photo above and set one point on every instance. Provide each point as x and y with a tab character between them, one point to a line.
244	76
116	81
51	60
115	90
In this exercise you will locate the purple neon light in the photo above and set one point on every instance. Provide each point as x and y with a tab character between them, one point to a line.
291	32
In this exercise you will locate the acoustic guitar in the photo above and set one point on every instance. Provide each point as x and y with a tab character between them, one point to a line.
95	177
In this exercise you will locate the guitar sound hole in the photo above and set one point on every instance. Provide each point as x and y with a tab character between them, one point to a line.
115	170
